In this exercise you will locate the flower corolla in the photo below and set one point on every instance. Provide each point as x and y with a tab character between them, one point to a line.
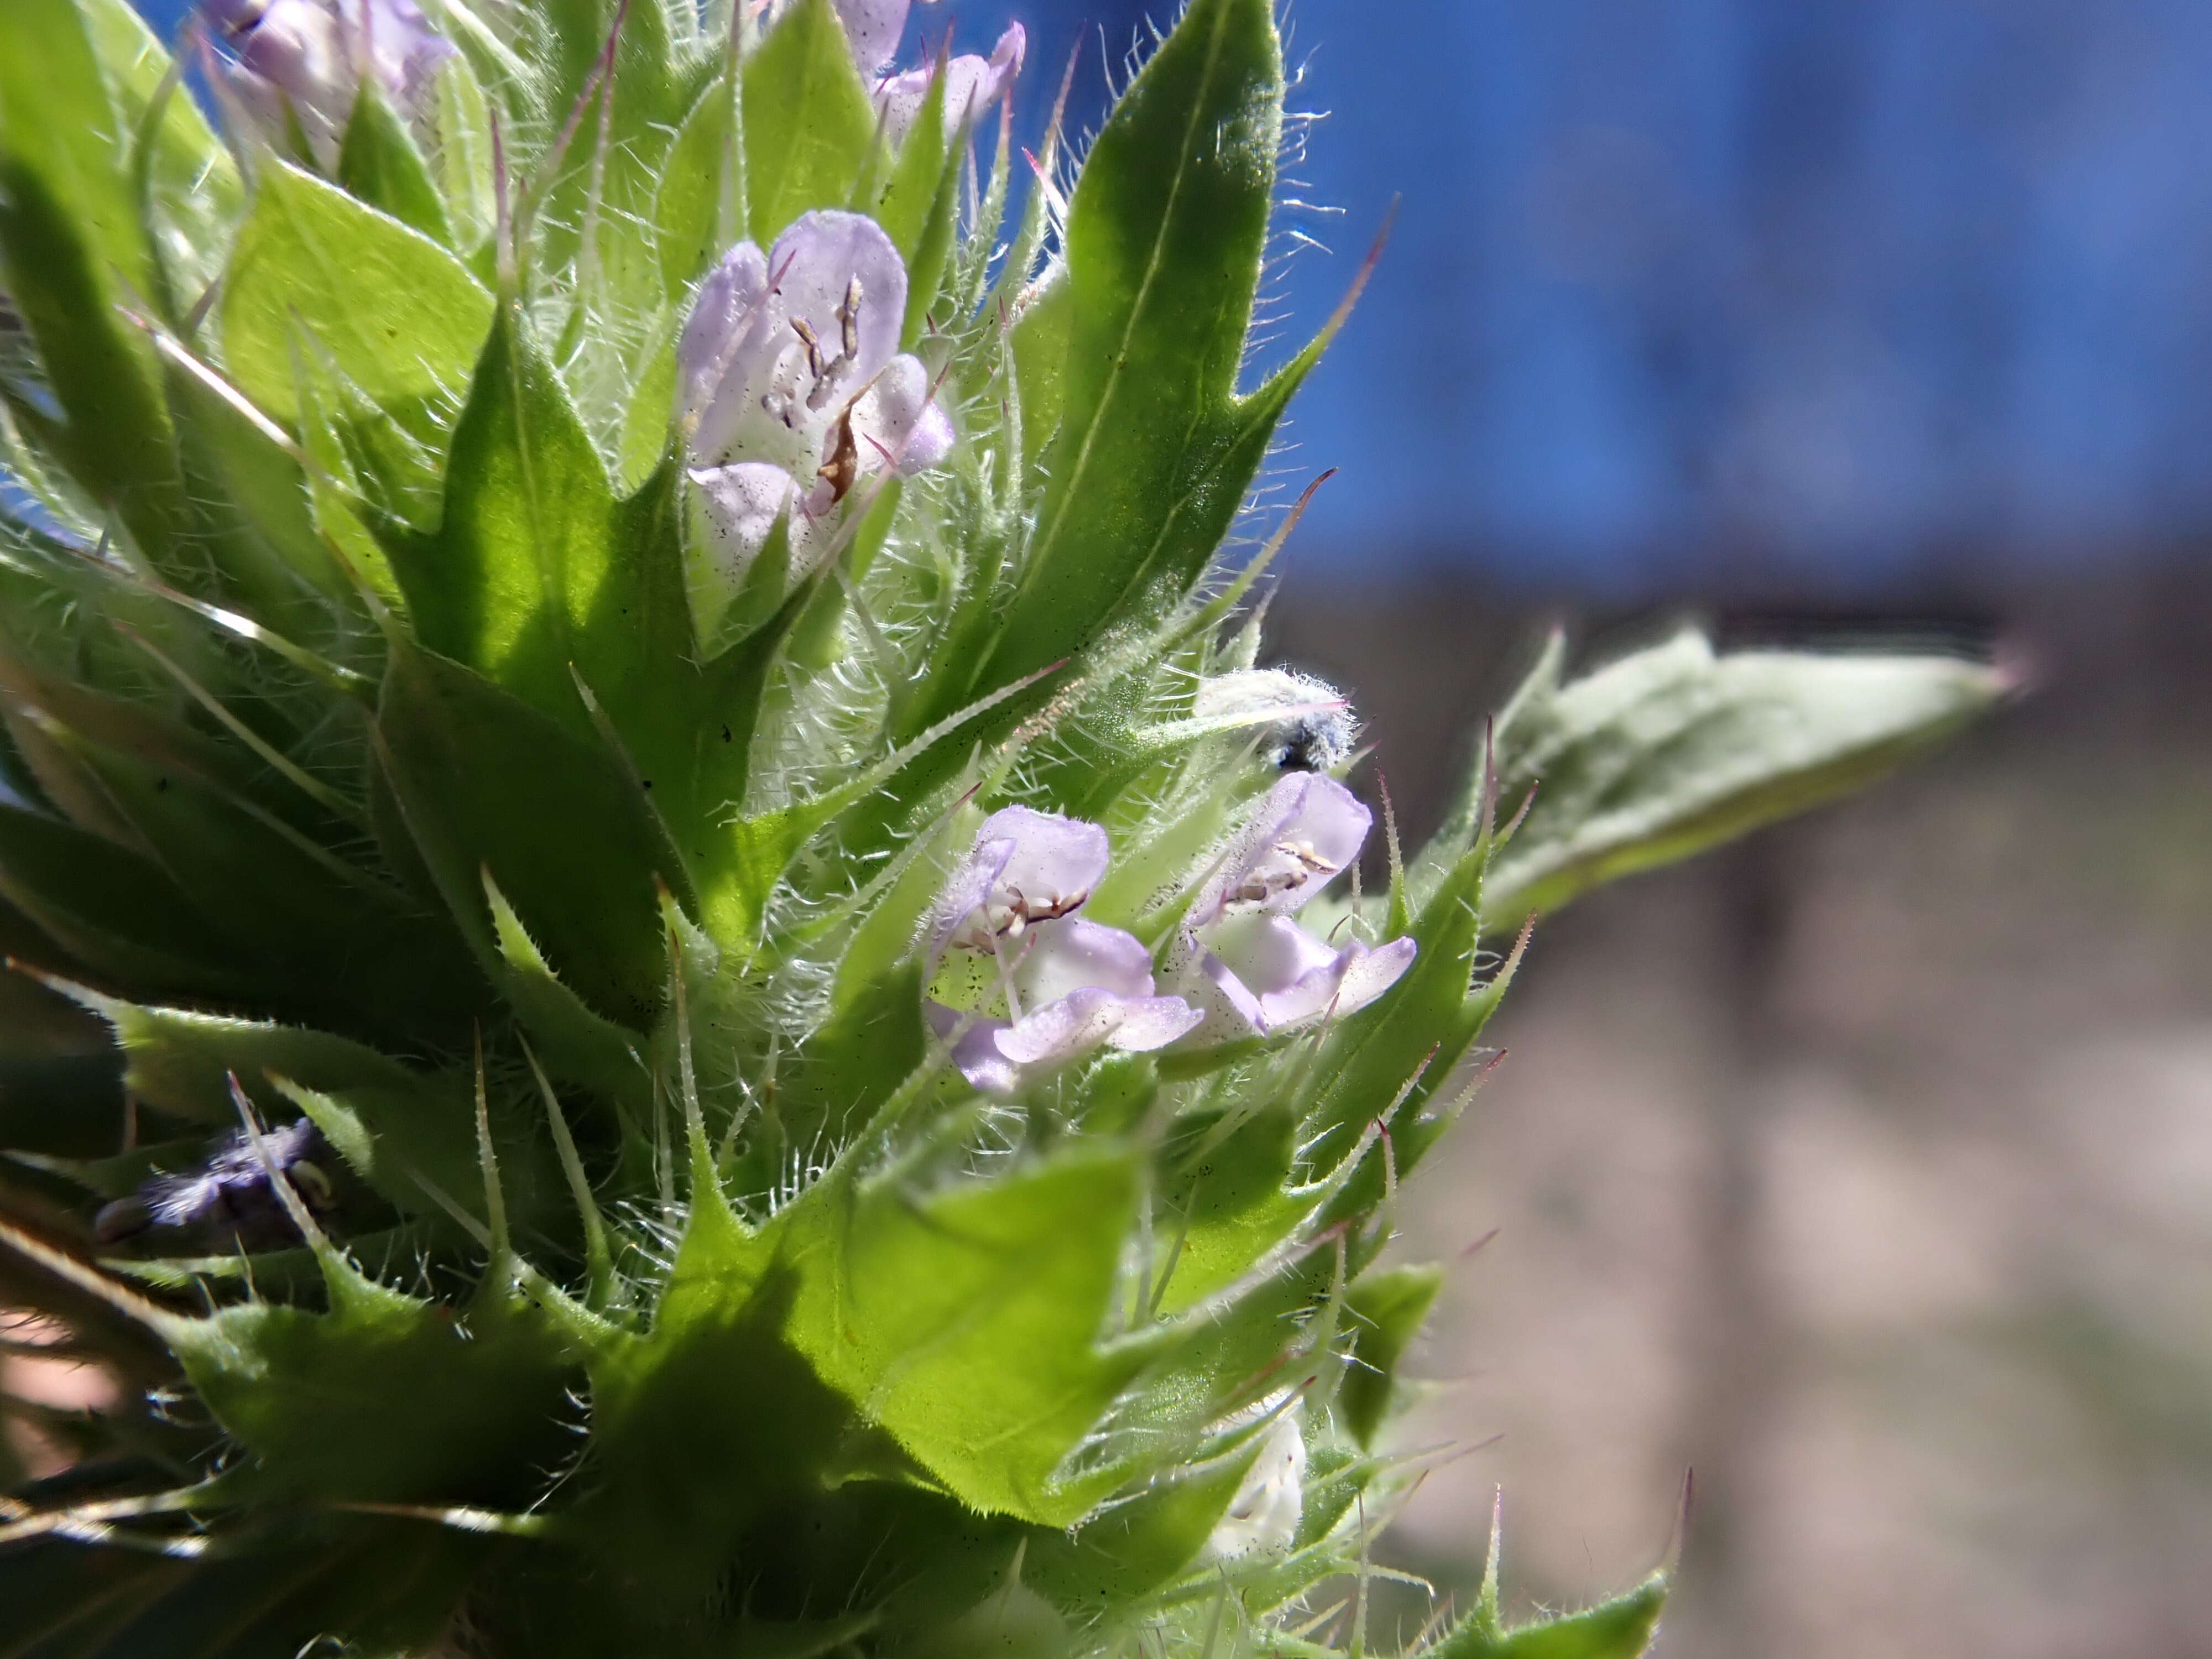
1020	983
310	55
792	391
972	84
1252	969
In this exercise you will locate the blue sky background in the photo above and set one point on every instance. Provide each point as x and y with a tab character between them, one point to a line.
1849	293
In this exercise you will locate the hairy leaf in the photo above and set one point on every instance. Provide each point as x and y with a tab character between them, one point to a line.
1619	1629
378	164
1672	750
808	125
487	784
1165	237
321	279
73	249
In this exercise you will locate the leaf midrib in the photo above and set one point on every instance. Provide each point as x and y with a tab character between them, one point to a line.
1115	373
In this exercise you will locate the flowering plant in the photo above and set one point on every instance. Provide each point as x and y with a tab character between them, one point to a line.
737	1022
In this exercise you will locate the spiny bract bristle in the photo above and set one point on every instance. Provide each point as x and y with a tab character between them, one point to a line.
615	692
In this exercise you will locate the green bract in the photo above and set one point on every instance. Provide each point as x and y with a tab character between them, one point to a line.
620	697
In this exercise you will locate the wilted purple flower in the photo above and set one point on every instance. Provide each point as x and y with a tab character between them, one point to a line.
1252	969
1007	921
312	54
793	389
972	85
230	1196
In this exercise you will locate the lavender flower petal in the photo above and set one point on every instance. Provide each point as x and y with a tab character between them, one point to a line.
897	417
309	55
874	28
1266	974
972	85
1080	1022
976	1051
1305	832
1026	866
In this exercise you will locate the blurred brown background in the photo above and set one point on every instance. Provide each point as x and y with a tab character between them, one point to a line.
1865	1168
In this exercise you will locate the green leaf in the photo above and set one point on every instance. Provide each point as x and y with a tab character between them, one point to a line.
608	194
647	441
190	193
378	164
487	783
1384	1310
1674	750
967	1323
269	558
902	209
1137	1547
337	940
113	910
73	247
1420	1031
539	574
1221	1355
1040	351
1225	1200
57	121
180	1062
397	317
919	202
856	1061
388	1123
1165	238
1619	1629
808	122
696	212
411	1146
462	160
577	1044
932	254
385	1397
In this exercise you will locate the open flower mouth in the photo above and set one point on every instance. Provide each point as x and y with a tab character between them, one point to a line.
1254	969
1022	986
793	391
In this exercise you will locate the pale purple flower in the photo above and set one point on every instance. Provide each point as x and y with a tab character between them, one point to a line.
792	391
972	85
1252	969
1264	973
312	55
1039	986
1306	831
874	28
